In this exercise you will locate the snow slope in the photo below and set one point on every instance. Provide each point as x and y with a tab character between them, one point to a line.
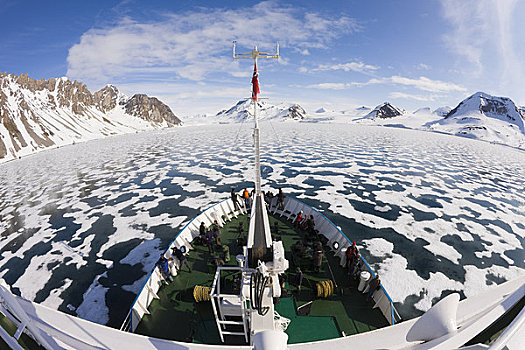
485	117
243	111
480	116
38	114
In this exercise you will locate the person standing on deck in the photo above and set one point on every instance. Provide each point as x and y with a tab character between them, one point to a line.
164	268
246	196
355	268
299	279
374	285
310	226
280	199
318	256
202	233
267	199
298	219
217	230
234	199
210	241
181	257
350	254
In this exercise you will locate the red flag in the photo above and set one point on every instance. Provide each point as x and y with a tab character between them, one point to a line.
255	83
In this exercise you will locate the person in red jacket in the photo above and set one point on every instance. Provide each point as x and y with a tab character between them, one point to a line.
351	252
298	219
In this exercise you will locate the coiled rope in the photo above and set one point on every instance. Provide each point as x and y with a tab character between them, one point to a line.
325	289
201	293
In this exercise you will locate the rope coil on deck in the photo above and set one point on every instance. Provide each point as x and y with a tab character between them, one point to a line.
201	293
325	289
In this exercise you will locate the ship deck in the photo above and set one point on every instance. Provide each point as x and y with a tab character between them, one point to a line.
176	316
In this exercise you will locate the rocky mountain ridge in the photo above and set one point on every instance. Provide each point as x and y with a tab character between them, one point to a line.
37	114
480	116
488	106
384	111
486	117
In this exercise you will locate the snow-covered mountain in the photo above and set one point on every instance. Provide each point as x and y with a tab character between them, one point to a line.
339	116
387	114
243	110
423	110
485	117
480	116
442	111
37	114
385	110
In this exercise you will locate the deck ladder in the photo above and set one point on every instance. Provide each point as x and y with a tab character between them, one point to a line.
222	323
229	305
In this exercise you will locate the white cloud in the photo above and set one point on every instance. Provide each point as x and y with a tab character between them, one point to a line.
470	27
425	84
328	86
512	65
402	95
422	83
193	45
349	66
487	37
482	33
423	66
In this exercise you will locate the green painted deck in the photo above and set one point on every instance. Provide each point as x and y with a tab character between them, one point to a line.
25	341
176	316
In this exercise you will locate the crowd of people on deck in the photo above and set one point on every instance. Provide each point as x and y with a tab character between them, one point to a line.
305	252
311	248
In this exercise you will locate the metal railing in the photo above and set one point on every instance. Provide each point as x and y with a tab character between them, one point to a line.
224	210
328	229
221	211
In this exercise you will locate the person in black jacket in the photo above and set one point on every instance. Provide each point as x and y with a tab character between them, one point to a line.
179	254
280	199
234	199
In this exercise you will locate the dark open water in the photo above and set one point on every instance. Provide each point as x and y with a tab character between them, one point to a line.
81	226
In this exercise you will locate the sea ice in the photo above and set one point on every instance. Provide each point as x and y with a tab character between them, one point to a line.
443	213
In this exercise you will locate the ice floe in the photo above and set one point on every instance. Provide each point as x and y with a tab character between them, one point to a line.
439	212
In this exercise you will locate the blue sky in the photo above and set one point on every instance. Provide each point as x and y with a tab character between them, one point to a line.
335	54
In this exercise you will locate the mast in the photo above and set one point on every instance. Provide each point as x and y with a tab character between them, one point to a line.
265	258
256	143
255	54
